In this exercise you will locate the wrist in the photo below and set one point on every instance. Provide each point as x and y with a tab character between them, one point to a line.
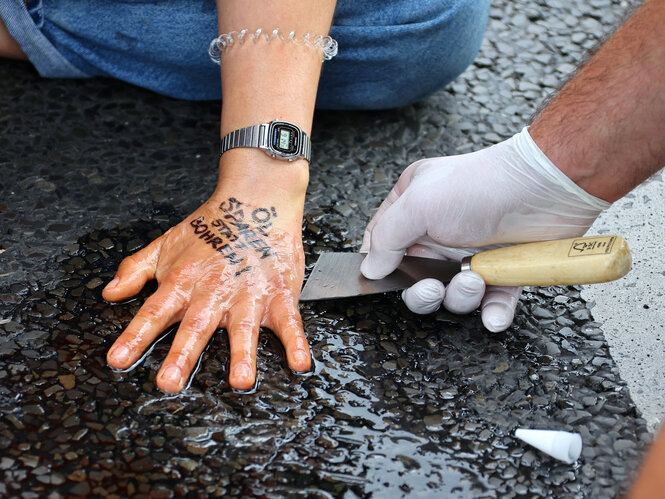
278	138
580	171
252	171
549	175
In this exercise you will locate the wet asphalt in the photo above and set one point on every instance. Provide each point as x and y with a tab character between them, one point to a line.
397	405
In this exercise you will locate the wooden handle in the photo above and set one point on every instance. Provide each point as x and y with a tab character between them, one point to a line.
582	260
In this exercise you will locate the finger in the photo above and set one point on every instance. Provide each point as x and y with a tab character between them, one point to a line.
425	296
402	183
197	327
465	292
423	251
390	199
159	311
498	307
286	323
395	231
243	328
438	251
133	272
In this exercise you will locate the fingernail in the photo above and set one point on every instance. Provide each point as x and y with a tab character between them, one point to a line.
369	269
497	317
113	283
472	284
300	356
172	374
120	354
241	371
366	267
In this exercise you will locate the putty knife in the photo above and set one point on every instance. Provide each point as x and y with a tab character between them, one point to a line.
582	260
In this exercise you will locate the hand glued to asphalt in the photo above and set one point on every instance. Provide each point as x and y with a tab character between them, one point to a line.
231	264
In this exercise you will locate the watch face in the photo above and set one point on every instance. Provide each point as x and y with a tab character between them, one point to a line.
285	138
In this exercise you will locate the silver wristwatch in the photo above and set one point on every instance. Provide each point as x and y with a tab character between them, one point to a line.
279	139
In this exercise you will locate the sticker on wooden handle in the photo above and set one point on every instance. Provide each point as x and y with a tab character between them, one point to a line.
591	246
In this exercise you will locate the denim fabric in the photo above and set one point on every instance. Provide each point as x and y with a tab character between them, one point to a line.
396	52
24	21
391	52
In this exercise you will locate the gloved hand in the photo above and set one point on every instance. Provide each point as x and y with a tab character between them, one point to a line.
451	207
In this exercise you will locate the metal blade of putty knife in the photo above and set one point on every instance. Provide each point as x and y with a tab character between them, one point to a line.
337	275
564	262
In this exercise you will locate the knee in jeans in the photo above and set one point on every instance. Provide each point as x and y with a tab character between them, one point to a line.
438	51
394	65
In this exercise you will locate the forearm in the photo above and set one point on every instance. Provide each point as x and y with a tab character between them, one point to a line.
605	128
265	81
651	481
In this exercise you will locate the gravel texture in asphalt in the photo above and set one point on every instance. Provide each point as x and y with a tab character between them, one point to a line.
396	405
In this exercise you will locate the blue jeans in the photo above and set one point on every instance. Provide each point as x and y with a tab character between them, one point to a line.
391	52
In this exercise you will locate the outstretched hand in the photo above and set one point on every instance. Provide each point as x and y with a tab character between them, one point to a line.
234	263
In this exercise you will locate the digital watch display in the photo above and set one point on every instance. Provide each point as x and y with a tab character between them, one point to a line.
284	137
279	139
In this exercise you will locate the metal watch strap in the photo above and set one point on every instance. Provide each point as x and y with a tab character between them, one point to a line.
306	148
257	136
250	136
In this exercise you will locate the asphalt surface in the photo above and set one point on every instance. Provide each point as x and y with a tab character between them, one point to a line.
93	170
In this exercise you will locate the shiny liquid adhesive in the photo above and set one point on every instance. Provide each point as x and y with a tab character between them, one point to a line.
395	404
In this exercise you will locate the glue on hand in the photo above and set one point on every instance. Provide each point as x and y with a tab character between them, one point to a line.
561	445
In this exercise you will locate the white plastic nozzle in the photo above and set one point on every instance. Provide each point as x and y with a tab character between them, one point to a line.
561	445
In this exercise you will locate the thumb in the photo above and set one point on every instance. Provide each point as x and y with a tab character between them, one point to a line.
378	264
393	196
390	236
395	193
425	296
133	272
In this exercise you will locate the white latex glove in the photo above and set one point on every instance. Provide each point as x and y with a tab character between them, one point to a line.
451	207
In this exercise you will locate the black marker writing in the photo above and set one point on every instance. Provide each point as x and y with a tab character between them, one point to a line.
233	232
